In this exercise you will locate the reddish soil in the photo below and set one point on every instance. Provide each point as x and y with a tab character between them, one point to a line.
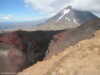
13	39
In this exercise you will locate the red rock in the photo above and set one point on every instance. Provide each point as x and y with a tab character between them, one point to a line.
12	39
54	45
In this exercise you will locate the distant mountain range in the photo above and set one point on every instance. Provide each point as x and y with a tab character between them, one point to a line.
11	25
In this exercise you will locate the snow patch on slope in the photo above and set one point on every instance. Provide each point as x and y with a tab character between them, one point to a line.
75	21
65	12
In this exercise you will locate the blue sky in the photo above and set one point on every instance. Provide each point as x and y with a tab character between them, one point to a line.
29	10
18	11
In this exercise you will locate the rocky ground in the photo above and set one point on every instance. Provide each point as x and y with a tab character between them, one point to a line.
71	37
80	59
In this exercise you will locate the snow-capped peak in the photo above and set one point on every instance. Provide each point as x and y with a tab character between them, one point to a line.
65	12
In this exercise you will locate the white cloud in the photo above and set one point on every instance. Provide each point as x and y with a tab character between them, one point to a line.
4	17
89	5
9	18
53	6
46	6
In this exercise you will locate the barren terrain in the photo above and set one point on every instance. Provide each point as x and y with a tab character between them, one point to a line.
80	59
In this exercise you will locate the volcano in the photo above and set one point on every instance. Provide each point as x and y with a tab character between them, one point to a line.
68	18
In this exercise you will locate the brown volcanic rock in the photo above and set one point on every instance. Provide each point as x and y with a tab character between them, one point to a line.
12	38
58	40
12	59
68	38
34	43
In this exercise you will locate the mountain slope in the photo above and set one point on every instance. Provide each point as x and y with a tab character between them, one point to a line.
81	59
69	38
68	18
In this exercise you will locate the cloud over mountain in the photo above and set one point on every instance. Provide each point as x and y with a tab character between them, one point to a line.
89	5
46	6
53	6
